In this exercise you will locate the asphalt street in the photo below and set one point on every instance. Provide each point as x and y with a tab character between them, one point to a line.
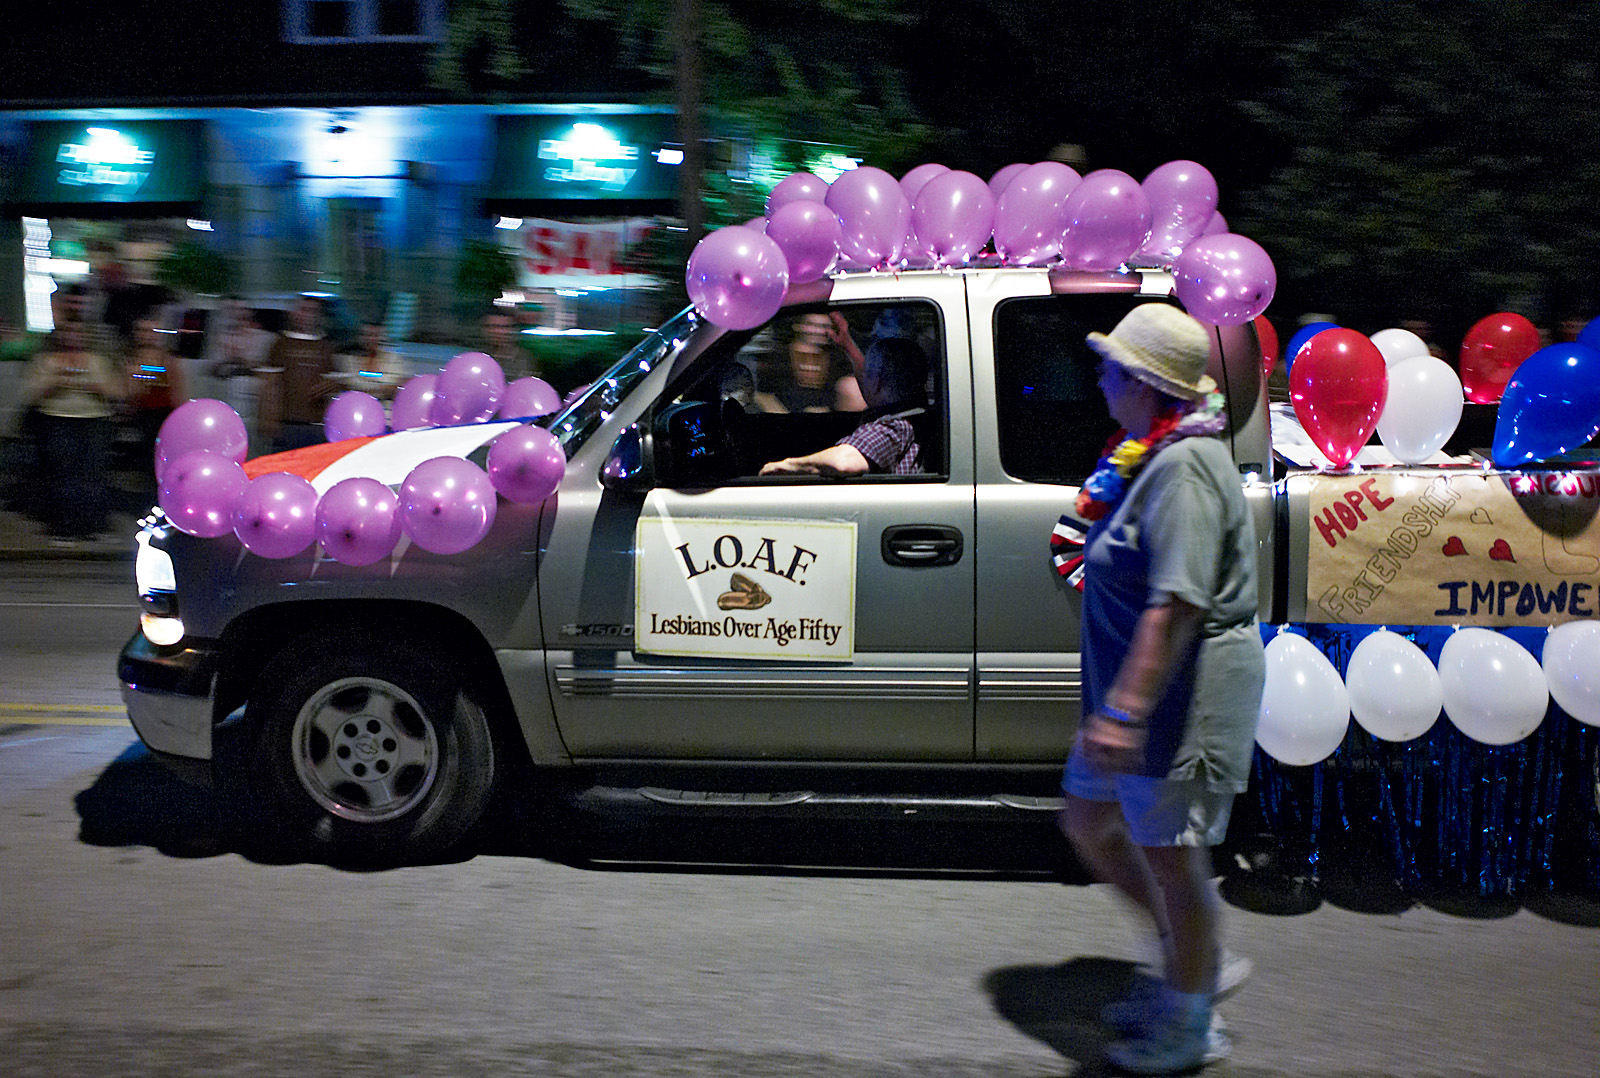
142	931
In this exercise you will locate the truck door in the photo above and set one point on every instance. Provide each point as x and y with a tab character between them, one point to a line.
1040	426
720	614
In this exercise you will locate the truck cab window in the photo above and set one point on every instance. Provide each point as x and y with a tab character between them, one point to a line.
809	378
1052	419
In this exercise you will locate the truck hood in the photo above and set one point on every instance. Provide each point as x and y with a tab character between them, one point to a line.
388	458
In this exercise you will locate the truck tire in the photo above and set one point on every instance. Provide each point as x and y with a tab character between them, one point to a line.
367	750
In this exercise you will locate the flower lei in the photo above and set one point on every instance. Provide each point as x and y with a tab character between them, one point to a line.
1124	457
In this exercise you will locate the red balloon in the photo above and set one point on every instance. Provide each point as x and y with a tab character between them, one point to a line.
1491	352
1268	337
1338	384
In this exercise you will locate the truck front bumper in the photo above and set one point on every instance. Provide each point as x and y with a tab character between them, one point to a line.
169	693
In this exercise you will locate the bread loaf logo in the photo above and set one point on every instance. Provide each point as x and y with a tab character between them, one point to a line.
744	594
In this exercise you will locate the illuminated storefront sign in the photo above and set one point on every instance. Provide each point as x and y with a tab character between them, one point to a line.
111	161
583	156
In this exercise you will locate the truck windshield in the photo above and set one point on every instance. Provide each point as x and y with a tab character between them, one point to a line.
573	425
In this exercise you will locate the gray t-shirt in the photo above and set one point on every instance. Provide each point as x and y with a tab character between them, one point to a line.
1182	532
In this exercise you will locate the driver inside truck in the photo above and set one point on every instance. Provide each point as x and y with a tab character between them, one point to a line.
894	384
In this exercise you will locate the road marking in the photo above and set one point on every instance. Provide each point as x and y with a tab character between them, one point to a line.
18	714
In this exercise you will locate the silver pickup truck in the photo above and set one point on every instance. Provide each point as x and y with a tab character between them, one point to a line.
672	630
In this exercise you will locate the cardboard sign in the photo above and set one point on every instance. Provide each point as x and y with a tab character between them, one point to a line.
745	589
1469	548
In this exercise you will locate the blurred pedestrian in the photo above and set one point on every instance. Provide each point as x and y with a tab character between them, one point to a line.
238	348
1173	667
300	377
372	366
74	393
155	382
500	334
1424	329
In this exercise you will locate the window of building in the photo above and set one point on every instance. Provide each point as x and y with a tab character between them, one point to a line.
345	22
1053	420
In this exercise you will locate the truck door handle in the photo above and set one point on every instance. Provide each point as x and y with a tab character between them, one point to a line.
920	545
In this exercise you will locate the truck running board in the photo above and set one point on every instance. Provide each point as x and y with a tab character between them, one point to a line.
644	799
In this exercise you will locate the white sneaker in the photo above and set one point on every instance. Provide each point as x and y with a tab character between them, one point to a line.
1233	969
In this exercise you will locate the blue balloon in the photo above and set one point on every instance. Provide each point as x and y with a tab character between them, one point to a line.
1591	334
1551	405
1302	335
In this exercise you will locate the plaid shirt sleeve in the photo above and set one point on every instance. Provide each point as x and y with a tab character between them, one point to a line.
889	444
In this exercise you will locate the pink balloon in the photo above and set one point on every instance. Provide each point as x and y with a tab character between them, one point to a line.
1107	219
954	216
1183	196
873	212
1003	177
468	391
574	393
1338	386
1216	225
447	504
200	424
199	492
796	187
737	278
358	521
1225	279
276	516
413	404
1028	219
759	224
526	464
528	397
808	234
353	414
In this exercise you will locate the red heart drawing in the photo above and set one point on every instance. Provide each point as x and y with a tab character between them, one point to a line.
1501	551
1454	547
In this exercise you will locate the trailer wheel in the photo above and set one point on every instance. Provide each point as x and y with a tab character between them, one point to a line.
371	751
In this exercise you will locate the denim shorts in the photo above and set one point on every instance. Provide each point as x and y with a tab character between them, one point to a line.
1159	811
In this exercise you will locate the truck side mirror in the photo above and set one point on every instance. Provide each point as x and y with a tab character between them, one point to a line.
624	467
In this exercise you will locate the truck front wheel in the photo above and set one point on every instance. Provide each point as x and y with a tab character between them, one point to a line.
370	751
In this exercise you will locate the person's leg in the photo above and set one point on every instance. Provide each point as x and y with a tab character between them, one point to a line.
1099	835
1183	875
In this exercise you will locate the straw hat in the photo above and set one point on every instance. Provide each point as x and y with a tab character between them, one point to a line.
1162	347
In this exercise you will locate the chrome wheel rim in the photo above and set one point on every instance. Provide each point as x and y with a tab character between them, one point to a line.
365	750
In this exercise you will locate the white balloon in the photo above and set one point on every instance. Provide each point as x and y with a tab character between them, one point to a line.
1395	693
1305	711
1422	409
1494	691
1398	344
1572	669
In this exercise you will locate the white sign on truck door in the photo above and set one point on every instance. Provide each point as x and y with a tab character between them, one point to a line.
745	589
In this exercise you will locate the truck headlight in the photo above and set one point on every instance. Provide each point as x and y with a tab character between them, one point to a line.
158	593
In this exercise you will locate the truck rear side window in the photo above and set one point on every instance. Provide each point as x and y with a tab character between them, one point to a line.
1052	419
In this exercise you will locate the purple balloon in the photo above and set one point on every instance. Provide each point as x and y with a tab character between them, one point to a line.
1183	196
757	223
276	516
468	391
1028	218
737	278
796	187
873	212
358	521
916	179
808	234
1216	225
1003	177
574	393
528	397
1108	218
413	404
353	414
199	492
526	464
1225	279
954	216
200	424
447	504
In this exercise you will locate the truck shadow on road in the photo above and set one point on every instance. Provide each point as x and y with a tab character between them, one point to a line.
136	801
